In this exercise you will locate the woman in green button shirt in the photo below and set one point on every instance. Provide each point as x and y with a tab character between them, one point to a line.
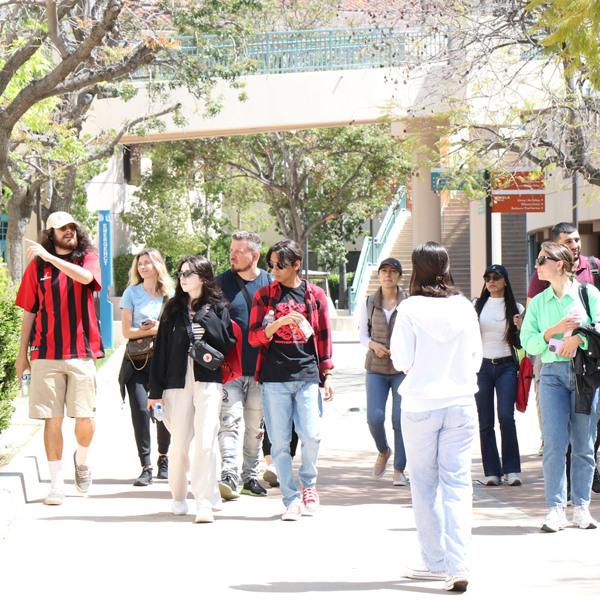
547	330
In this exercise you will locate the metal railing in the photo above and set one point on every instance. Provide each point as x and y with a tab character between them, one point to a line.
372	247
315	50
3	230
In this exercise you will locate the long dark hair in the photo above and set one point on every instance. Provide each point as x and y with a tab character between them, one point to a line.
431	272
511	333
84	245
211	294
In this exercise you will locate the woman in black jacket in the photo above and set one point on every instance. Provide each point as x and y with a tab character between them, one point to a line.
192	394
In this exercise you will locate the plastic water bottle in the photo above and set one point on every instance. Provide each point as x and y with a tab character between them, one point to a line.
25	383
269	318
159	412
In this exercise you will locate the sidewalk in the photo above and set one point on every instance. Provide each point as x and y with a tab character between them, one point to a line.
123	541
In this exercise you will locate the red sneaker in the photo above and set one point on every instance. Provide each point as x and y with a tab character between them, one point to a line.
310	498
292	513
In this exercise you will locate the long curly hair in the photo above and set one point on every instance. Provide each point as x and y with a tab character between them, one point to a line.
84	245
211	293
164	283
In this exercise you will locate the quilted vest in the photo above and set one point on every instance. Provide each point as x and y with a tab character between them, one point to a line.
380	331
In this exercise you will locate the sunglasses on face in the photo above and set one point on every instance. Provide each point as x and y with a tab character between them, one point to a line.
492	277
279	265
186	274
540	260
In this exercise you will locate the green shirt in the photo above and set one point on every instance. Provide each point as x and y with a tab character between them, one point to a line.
546	310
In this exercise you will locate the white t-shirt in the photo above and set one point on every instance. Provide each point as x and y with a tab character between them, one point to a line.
492	322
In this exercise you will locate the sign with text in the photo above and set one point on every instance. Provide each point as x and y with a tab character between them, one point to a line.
518	203
442	181
518	180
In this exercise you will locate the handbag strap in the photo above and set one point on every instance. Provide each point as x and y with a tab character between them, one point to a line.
583	294
242	285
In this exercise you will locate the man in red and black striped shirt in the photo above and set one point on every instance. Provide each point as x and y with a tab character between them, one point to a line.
61	328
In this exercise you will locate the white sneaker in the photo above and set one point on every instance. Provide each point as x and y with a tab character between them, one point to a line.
204	515
491	480
555	520
399	478
55	497
513	479
583	519
270	475
456	583
179	507
423	572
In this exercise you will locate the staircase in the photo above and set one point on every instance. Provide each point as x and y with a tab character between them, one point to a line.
402	250
456	237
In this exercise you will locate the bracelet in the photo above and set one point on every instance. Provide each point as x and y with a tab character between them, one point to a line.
327	375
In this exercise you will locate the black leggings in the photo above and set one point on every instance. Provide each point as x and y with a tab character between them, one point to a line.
137	390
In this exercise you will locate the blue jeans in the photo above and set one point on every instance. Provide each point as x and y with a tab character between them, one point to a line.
438	447
298	402
561	425
502	378
378	388
241	396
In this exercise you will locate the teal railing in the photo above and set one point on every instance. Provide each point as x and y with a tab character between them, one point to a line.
316	50
3	230
372	247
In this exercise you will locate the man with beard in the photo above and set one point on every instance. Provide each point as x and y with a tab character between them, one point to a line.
61	330
243	395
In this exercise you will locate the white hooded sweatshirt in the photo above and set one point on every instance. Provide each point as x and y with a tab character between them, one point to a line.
437	343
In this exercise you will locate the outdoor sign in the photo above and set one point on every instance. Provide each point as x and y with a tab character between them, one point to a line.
440	181
106	307
518	203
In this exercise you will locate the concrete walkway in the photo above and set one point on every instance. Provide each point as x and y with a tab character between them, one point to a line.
123	541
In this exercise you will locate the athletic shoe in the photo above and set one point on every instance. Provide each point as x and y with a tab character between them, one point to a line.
492	480
55	497
583	519
145	478
228	488
423	572
204	515
381	463
513	479
291	513
310	498
399	478
555	520
163	467
179	507
596	481
253	488
83	477
541	450
270	475
456	583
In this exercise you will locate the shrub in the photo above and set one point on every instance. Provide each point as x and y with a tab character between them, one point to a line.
121	266
334	284
10	337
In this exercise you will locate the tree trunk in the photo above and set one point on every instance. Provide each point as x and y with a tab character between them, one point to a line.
20	206
343	294
62	191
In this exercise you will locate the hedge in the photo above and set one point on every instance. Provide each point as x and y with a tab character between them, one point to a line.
10	337
334	284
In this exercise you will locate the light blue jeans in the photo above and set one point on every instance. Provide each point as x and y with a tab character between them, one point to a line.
561	425
241	396
378	387
298	402
438	448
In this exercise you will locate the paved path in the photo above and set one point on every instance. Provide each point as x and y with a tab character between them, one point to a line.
123	542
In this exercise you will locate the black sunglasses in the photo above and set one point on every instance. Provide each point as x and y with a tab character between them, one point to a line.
186	274
540	260
279	265
494	277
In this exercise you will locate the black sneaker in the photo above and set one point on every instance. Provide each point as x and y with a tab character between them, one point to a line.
228	488
596	482
145	478
253	488
163	467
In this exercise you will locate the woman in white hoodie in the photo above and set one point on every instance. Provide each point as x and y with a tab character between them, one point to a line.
437	343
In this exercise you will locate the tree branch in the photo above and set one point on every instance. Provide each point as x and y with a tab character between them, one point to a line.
52	18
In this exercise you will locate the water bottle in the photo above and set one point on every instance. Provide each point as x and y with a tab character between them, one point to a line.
269	318
159	412
25	382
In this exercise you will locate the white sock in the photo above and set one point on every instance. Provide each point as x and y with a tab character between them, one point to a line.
81	455
56	475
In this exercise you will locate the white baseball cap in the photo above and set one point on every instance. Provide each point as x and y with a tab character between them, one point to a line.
59	219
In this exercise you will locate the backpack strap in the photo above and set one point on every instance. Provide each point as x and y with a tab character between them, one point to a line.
583	294
594	271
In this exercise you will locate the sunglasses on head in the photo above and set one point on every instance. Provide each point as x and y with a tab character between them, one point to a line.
492	277
279	265
540	260
186	274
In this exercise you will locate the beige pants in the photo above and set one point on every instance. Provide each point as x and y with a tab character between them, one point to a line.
193	413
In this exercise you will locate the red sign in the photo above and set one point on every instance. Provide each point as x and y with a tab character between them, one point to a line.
519	180
518	203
